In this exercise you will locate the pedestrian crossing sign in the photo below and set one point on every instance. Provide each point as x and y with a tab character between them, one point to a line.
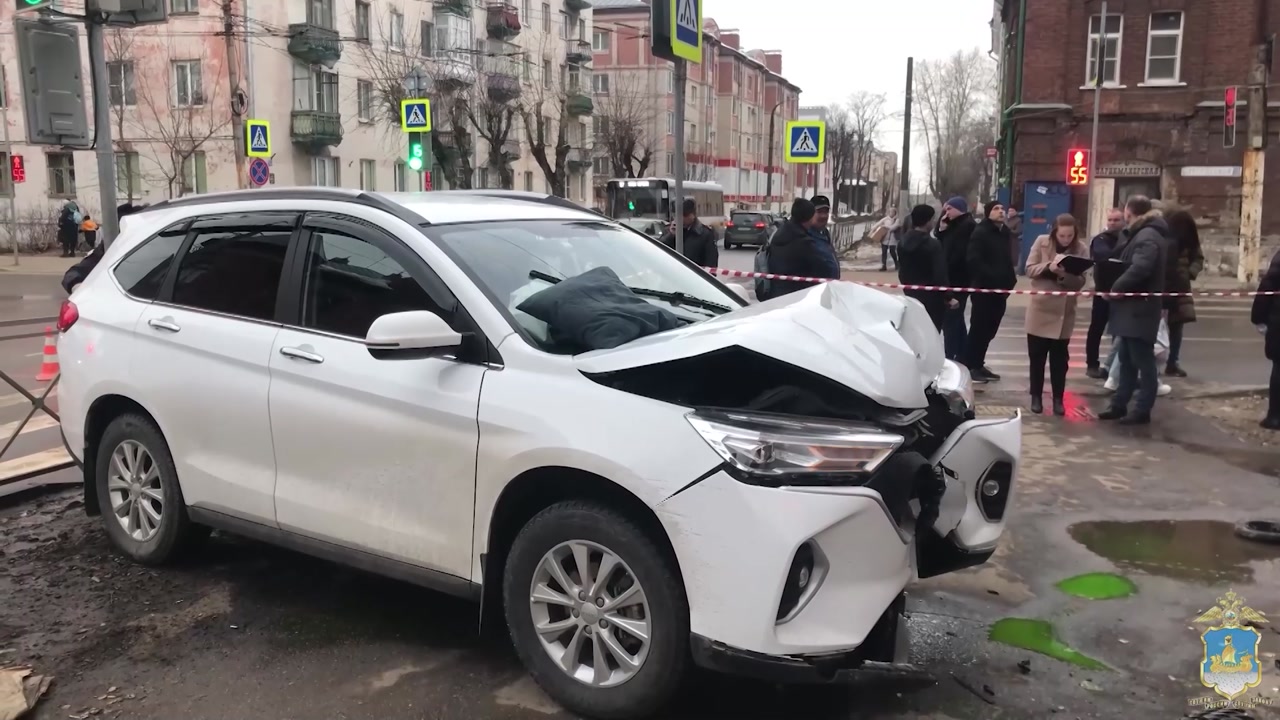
806	142
686	29
415	115
257	138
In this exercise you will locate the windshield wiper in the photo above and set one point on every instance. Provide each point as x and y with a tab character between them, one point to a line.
679	298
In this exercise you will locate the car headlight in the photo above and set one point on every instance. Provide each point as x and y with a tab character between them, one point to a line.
782	449
955	384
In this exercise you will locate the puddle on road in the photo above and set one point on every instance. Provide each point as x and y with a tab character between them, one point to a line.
1038	636
1201	551
1098	586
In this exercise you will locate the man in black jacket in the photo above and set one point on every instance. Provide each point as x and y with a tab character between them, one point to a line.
922	262
989	260
1101	250
797	249
954	232
699	240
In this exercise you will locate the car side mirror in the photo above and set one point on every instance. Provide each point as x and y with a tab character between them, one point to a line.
409	331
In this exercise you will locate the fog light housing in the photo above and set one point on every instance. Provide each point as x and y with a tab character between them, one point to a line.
808	568
994	490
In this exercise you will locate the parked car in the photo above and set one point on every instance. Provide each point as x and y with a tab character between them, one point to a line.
648	226
748	228
422	385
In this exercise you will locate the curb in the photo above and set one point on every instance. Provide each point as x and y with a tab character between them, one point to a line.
1238	391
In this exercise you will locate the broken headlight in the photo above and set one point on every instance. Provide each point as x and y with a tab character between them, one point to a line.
786	449
955	384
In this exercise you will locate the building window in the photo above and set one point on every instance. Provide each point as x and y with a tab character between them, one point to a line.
1164	48
188	83
671	82
400	178
395	33
427	36
325	86
482	180
546	17
324	171
368	175
528	181
62	174
195	176
183	7
600	84
1109	42
4	87
128	174
546	74
600	166
671	123
364	100
120	83
320	12
600	41
527	70
6	178
362	21
582	30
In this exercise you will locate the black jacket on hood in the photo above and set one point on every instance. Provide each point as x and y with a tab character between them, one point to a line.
921	261
955	244
989	258
793	251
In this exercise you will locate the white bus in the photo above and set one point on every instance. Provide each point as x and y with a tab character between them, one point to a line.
651	198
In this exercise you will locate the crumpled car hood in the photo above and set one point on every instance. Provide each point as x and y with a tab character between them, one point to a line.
882	346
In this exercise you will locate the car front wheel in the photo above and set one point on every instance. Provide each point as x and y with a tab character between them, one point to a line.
597	612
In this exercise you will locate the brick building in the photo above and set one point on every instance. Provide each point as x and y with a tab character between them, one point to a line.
731	98
1167	66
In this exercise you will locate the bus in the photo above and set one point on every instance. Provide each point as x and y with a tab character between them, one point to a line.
651	198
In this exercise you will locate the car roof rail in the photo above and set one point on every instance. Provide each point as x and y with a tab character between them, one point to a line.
527	196
286	193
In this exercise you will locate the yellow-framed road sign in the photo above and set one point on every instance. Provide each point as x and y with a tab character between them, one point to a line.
806	142
257	138
415	115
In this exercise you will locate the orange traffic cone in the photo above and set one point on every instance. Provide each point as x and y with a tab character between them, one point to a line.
49	368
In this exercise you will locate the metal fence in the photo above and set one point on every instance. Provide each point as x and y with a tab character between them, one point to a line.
16	470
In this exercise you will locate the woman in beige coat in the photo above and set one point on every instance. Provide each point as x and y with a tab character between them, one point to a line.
1050	318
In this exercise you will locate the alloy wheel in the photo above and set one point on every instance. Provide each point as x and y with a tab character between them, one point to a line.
136	489
590	613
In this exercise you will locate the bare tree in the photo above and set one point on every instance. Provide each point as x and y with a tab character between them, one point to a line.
119	49
955	97
867	113
493	113
624	118
551	111
396	71
841	149
180	110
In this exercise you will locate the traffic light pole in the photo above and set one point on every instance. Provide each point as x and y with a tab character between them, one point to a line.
102	129
13	190
1095	228
681	79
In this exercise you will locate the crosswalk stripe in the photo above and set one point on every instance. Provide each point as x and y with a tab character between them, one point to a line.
27	464
17	399
36	424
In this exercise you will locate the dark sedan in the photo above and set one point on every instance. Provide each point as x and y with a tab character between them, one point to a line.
748	228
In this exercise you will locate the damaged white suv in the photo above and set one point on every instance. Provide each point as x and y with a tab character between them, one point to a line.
504	396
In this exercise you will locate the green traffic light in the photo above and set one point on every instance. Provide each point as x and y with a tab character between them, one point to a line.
33	2
631	206
415	164
415	153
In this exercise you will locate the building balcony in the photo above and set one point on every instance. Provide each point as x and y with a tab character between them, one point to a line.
511	148
502	76
576	6
579	104
315	128
578	52
454	69
455	7
502	20
579	158
314	45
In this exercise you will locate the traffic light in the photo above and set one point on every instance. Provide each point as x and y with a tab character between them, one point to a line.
1077	167
631	205
21	5
1229	118
416	153
17	169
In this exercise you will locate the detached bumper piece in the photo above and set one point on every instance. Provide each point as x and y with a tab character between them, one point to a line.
882	656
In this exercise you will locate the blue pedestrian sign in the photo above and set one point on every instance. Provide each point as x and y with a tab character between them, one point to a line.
257	138
415	115
259	172
806	142
676	29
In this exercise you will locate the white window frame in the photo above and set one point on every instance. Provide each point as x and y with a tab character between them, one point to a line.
546	18
194	175
67	171
183	7
129	174
326	167
395	30
121	83
363	21
671	123
1094	51
369	175
600	41
364	100
1152	33
183	76
400	177
600	84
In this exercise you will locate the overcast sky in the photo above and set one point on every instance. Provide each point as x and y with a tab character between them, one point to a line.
831	48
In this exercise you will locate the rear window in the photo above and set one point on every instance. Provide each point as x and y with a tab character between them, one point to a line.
747	218
142	273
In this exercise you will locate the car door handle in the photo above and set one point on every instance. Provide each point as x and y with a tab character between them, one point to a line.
300	354
166	325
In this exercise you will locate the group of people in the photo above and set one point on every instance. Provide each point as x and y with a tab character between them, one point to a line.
74	225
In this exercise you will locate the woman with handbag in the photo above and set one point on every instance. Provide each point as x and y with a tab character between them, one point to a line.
1052	318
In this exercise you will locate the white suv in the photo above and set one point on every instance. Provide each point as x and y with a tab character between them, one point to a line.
507	397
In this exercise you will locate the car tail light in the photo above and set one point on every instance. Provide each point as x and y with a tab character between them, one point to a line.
728	224
759	225
68	314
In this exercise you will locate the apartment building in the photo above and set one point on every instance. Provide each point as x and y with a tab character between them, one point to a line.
734	99
328	76
1164	67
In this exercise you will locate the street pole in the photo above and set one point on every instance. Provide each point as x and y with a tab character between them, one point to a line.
13	188
904	182
1253	171
1094	227
682	77
768	186
94	24
233	79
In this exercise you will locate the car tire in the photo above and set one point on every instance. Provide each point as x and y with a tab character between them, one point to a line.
728	245
665	661
150	490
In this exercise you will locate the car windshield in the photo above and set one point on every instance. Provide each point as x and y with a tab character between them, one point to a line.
640	224
747	219
512	261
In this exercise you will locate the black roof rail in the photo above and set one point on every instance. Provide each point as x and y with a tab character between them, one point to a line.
295	193
540	198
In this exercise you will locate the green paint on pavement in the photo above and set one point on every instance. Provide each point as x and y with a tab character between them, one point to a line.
1098	586
1038	636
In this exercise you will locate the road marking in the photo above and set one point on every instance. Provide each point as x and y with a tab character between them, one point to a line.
36	424
35	462
16	399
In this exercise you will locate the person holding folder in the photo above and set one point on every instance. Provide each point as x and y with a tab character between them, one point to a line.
1057	261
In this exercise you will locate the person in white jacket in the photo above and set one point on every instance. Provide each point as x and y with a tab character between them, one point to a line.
892	226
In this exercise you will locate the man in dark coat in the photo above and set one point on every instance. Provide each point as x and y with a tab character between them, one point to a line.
1265	316
989	261
922	262
797	248
954	231
1135	321
1101	250
699	240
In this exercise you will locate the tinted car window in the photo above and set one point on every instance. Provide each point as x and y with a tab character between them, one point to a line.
747	218
349	283
143	271
234	265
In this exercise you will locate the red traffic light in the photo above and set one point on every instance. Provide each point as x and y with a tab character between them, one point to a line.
1077	167
17	168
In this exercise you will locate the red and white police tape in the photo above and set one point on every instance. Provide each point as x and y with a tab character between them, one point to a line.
1055	293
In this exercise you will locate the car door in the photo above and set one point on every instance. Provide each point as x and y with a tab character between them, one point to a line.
202	360
373	453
